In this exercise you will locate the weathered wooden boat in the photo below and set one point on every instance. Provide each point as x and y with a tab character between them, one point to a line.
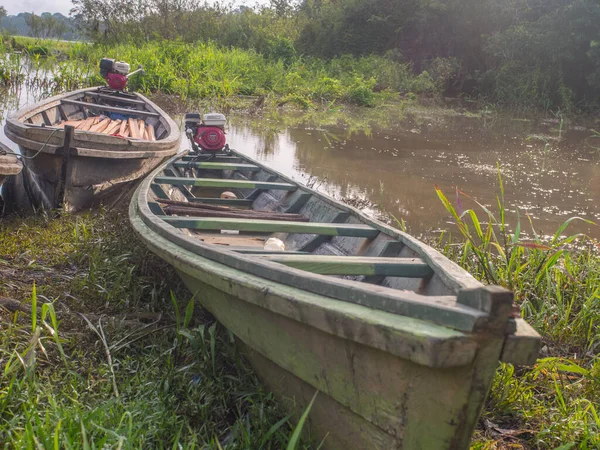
77	169
9	163
400	342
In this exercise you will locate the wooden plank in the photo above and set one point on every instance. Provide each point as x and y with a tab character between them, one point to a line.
296	205
112	127
158	191
132	112
122	128
86	124
221	183
355	265
214	158
172	172
150	131
134	129
47	120
223	201
156	209
390	249
256	192
115	98
522	347
215	166
259	250
101	126
272	226
142	129
318	240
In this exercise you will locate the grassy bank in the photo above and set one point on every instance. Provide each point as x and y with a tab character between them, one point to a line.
101	347
207	71
556	282
96	350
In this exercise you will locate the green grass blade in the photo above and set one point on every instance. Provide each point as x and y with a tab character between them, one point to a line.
295	438
33	308
189	311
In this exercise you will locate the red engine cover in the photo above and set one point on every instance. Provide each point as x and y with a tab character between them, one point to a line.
210	138
116	81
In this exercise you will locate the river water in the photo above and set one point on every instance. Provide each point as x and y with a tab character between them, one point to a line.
550	170
387	162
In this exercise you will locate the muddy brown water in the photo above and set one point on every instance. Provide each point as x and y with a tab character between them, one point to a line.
388	166
550	170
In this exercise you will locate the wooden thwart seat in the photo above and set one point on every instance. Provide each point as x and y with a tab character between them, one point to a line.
261	251
222	201
223	183
272	226
133	112
216	158
114	98
355	265
215	166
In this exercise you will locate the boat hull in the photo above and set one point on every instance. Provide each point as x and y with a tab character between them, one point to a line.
86	182
392	368
90	167
367	397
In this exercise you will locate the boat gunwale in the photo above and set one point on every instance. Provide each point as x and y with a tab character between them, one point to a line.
16	129
53	149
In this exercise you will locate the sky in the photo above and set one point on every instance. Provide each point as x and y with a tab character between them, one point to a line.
14	7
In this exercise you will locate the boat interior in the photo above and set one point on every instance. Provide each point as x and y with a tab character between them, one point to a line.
102	110
235	204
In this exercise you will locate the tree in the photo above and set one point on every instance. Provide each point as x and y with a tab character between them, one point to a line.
3	14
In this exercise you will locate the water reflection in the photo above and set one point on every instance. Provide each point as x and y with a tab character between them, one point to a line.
396	168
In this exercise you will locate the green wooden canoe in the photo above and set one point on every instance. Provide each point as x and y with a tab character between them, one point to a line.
400	342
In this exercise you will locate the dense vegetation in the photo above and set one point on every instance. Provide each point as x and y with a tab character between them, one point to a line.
515	52
45	25
556	283
205	70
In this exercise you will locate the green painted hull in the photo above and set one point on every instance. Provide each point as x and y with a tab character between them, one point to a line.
388	375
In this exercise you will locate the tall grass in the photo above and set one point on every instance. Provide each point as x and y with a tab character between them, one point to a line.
98	350
205	70
556	281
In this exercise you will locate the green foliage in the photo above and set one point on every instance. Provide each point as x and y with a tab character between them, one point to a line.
96	354
361	92
528	54
206	70
555	281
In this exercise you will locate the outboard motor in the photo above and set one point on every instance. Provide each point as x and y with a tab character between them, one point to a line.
206	133
116	73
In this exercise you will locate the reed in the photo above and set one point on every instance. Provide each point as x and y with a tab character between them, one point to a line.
556	282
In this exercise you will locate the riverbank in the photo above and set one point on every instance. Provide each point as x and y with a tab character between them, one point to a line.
102	347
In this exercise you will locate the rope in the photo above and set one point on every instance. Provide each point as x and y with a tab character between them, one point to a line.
43	146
